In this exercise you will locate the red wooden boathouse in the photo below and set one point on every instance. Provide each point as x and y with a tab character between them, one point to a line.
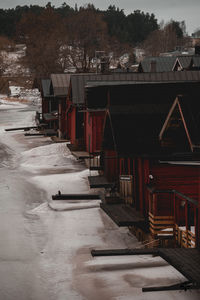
160	134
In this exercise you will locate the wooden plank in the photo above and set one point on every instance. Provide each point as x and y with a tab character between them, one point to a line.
161	217
186	261
33	134
81	154
180	286
123	215
76	197
99	182
117	252
161	221
21	128
96	168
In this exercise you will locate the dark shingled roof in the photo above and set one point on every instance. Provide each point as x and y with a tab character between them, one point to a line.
60	84
46	87
163	64
196	61
79	82
184	61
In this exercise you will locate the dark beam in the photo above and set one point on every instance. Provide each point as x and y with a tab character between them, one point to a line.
117	252
180	286
34	134
76	197
21	128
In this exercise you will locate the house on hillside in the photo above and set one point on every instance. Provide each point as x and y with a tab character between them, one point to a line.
187	63
171	63
157	64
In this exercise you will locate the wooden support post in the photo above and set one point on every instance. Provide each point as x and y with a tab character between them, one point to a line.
140	181
198	227
186	215
175	215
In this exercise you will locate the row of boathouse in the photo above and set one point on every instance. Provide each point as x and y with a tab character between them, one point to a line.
141	133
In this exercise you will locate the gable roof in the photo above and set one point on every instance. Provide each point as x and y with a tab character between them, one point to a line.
189	111
163	63
60	84
185	61
79	82
46	87
196	61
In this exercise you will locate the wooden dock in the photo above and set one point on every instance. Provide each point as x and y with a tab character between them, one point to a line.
122	214
99	182
81	154
96	168
56	139
186	261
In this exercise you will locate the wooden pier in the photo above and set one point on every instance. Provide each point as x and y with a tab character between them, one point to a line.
186	261
99	182
122	214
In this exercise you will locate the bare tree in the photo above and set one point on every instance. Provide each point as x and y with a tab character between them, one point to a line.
87	32
43	35
165	39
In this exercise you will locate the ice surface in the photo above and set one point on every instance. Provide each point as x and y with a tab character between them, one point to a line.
45	252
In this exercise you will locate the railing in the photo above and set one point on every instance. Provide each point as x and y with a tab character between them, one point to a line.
161	225
173	213
126	188
184	238
94	161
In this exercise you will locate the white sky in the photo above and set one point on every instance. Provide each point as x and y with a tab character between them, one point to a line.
178	10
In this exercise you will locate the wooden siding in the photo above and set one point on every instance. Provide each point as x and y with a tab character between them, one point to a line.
111	165
93	131
185	179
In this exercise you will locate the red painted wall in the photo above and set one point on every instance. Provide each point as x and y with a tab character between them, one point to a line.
94	130
185	179
88	131
73	126
45	105
98	123
111	171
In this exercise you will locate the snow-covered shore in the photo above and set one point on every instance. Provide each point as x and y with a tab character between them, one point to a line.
62	267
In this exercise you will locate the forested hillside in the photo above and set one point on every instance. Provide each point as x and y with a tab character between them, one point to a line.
58	39
132	28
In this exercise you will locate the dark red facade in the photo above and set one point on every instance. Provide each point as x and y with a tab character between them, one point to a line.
94	122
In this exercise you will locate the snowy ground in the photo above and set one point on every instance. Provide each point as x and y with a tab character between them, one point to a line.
45	245
12	60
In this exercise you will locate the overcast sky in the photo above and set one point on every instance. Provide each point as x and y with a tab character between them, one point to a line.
179	10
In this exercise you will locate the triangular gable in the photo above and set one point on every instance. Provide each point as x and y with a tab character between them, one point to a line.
177	66
175	124
182	63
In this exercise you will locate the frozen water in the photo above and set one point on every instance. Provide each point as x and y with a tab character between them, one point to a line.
45	244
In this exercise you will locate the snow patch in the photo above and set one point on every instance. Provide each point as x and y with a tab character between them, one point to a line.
68	183
32	96
5	104
53	156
